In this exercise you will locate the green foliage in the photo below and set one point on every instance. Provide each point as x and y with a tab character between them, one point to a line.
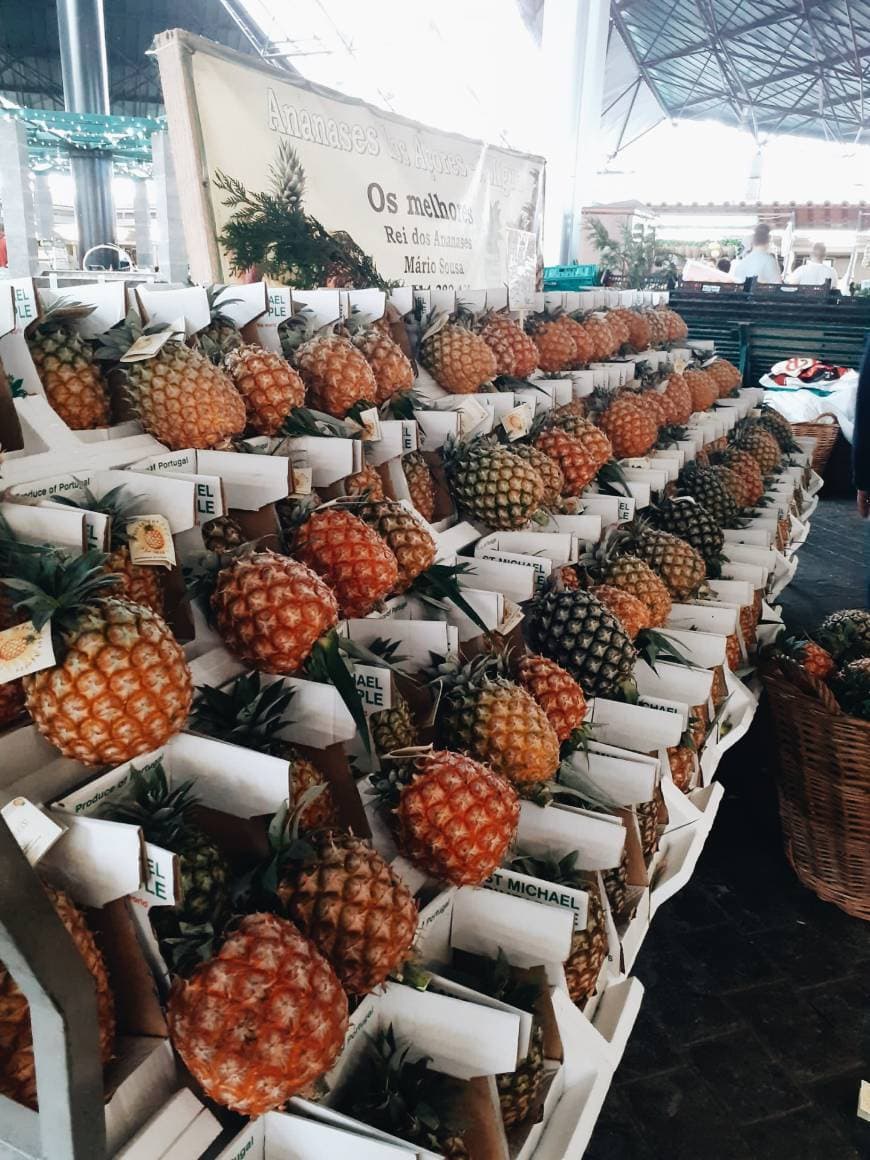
272	231
634	255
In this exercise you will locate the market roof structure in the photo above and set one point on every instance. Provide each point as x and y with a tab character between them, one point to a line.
769	66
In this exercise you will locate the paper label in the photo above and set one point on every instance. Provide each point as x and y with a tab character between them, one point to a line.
375	687
32	830
25	649
302	480
537	890
518	421
370	425
680	365
540	566
159	886
150	541
150	344
471	414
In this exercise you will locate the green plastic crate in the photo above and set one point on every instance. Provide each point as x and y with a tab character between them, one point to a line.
570	277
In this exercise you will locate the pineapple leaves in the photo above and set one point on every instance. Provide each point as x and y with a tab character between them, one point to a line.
654	646
55	588
438	585
325	665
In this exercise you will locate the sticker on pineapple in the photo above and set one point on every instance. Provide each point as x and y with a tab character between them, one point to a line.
25	649
150	541
517	422
34	832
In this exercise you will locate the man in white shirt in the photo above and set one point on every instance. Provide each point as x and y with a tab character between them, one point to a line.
758	262
815	271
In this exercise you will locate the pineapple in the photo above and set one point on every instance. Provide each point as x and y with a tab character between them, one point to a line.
492	484
454	817
268	384
262	1019
336	374
604	342
181	398
682	760
584	344
589	947
580	450
846	634
647	814
253	716
680	566
390	365
221	332
677	329
421	485
355	909
407	1099
620	327
548	469
684	517
631	430
557	350
222	535
705	486
515	352
555	690
658	327
633	575
354	560
120	685
270	610
726	376
496	721
678	400
751	436
703	388
65	364
166	818
740	490
393	728
577	631
746	466
458	360
851	686
367	483
639	333
632	613
404	535
136	582
779	427
17	1065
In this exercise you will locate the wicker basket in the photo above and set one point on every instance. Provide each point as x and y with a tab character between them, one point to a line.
825	434
824	789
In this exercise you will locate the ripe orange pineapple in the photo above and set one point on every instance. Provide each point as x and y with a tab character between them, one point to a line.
336	374
404	535
353	906
391	366
17	1066
631	430
678	398
548	469
750	436
579	456
703	388
638	328
629	609
515	352
682	760
604	343
121	685
725	375
262	1019
353	559
676	324
746	466
270	387
366	482
457	359
454	817
421	485
633	575
496	721
181	398
658	326
555	690
270	610
618	324
740	487
557	350
70	378
584	344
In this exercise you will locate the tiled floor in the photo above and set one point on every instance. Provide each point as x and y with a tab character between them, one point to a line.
753	1030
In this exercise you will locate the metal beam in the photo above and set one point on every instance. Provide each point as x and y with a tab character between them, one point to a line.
818	56
858	69
734	33
616	16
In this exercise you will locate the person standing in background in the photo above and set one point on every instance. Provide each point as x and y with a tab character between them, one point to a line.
815	271
759	262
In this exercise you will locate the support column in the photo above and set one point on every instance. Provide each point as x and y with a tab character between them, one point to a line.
19	216
44	207
574	49
142	223
82	33
171	250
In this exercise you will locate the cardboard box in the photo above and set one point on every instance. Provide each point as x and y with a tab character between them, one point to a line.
279	1136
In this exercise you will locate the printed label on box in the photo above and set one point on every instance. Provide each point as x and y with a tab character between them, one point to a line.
150	541
537	890
375	687
25	649
159	886
32	830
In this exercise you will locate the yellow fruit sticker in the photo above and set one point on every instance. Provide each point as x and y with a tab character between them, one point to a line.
25	649
150	541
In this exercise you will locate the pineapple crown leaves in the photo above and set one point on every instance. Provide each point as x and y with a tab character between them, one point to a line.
305	421
16	388
55	588
117	504
656	646
259	886
396	773
118	339
611	480
162	813
439	586
58	316
560	871
272	231
326	665
497	978
217	310
245	713
457	680
195	943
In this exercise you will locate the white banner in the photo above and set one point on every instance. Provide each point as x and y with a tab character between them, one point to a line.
433	209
